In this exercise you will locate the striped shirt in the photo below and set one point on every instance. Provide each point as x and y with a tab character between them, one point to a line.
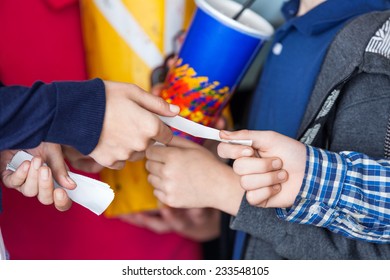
347	193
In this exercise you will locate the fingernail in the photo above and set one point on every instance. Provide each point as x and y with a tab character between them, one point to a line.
276	164
44	174
36	163
70	180
174	108
282	175
276	187
59	195
246	152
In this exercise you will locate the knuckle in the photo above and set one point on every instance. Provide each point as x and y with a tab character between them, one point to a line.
15	181
169	189
245	182
166	172
150	179
108	161
237	167
151	128
170	201
272	135
139	146
160	102
251	198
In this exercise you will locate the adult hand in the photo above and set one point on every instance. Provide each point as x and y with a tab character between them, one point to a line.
261	177
130	125
187	175
199	224
36	179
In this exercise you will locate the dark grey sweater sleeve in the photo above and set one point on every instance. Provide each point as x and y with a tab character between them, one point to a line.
271	238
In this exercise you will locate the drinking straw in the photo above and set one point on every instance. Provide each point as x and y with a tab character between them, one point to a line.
246	5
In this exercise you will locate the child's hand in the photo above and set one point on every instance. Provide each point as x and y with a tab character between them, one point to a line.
260	166
187	175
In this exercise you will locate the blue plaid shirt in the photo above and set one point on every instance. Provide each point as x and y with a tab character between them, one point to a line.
347	193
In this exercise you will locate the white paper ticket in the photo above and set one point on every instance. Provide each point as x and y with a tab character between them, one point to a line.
90	193
198	130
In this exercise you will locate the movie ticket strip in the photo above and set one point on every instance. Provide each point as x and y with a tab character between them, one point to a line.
90	193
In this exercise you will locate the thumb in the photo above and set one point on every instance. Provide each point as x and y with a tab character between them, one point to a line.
261	140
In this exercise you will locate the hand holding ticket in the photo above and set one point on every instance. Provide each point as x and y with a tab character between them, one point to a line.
90	193
199	130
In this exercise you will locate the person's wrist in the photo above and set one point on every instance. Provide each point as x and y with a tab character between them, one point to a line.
230	193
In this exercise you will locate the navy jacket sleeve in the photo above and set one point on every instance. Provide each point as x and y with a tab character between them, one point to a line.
69	113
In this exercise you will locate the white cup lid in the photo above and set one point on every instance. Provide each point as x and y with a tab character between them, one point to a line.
249	22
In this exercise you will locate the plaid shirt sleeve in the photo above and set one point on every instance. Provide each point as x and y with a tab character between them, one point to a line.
347	193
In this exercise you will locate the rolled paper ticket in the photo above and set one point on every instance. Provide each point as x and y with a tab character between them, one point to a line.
198	130
90	193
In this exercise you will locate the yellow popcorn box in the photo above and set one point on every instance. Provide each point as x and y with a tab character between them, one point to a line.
125	40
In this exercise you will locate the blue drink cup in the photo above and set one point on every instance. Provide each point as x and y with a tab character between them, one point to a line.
215	54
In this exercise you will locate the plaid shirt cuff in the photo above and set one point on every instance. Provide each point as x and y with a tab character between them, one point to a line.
348	193
320	192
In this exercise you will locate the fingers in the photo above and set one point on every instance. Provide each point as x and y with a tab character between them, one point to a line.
233	151
134	157
36	179
55	160
81	162
259	172
260	197
156	182
252	165
175	218
164	133
47	195
131	219
155	223
257	181
151	221
240	134
62	202
154	167
30	187
157	153
262	140
45	186
156	105
16	179
160	195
